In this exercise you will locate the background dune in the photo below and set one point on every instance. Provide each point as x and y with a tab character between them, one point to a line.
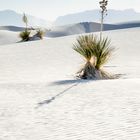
87	27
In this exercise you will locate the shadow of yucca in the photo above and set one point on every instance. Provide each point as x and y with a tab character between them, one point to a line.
45	102
68	82
72	83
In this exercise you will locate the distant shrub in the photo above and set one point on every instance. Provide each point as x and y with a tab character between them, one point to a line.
40	33
25	35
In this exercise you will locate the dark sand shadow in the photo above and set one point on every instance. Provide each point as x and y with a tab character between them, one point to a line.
56	96
72	83
68	82
110	66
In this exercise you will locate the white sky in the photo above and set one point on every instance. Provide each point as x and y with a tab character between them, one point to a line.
51	9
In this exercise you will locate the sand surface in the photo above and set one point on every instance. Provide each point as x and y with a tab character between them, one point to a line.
41	100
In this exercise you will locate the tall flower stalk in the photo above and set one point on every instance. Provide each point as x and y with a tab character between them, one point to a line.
25	20
103	6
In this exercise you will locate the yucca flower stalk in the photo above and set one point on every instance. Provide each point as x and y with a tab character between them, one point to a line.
103	6
25	20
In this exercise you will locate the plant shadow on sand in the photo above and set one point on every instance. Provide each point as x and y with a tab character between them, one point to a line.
68	82
71	83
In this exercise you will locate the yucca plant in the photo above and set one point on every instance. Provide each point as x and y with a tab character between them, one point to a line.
83	46
102	51
25	35
40	33
96	53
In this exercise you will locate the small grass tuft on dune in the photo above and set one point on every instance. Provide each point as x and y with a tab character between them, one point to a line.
25	35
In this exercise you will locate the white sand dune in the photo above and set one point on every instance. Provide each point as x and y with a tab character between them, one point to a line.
12	28
8	37
87	27
41	100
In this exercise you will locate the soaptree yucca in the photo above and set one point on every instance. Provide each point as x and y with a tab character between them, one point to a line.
25	35
96	53
102	51
83	46
40	33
